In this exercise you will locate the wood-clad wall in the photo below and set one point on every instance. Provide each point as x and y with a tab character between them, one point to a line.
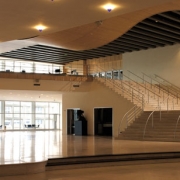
104	64
79	66
91	66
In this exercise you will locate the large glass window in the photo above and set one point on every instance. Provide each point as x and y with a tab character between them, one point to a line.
1	123
26	114
30	115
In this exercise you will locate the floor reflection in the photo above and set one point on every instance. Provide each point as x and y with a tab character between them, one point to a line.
33	146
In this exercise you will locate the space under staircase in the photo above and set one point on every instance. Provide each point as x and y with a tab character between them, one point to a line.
155	115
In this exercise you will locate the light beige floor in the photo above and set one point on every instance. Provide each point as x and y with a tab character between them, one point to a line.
166	171
34	146
19	147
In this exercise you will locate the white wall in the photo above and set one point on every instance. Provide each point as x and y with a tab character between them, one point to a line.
98	96
163	61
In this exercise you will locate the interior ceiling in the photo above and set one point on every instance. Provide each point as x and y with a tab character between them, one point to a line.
156	31
18	17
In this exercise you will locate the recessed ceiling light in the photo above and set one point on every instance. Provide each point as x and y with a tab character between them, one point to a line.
40	27
109	7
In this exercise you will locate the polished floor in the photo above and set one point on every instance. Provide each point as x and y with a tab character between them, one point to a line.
34	146
167	171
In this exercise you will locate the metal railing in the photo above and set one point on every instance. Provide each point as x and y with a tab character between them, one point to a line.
151	84
145	88
176	126
129	116
125	88
165	94
162	87
171	88
151	115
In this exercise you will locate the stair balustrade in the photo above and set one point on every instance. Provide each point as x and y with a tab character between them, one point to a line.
131	115
163	93
171	86
151	115
176	126
162	87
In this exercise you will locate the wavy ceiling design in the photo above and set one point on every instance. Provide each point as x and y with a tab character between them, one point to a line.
156	31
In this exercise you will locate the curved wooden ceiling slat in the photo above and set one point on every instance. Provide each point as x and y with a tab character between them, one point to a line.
96	34
156	31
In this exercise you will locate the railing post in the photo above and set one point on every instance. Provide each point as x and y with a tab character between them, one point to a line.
152	120
132	95
126	121
173	104
113	84
160	113
134	113
151	83
148	96
163	95
158	101
177	98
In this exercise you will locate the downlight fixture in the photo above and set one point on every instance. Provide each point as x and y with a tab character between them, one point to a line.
109	7
40	28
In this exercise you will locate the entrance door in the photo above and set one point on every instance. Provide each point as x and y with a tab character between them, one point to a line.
103	121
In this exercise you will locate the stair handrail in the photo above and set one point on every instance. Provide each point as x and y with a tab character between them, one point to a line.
138	76
168	82
127	85
118	84
166	90
176	126
151	114
139	99
131	87
135	109
144	79
172	87
134	81
130	91
142	86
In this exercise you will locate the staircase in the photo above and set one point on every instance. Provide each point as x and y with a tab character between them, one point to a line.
155	102
162	130
147	96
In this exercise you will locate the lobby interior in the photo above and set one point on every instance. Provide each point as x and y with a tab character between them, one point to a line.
80	39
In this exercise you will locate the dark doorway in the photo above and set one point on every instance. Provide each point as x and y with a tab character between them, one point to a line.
71	118
103	121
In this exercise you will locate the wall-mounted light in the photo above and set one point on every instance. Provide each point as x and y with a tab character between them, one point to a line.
109	7
40	28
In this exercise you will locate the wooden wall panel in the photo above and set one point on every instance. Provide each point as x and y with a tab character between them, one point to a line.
104	64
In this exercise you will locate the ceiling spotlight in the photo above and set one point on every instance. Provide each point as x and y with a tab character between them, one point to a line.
109	7
40	28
